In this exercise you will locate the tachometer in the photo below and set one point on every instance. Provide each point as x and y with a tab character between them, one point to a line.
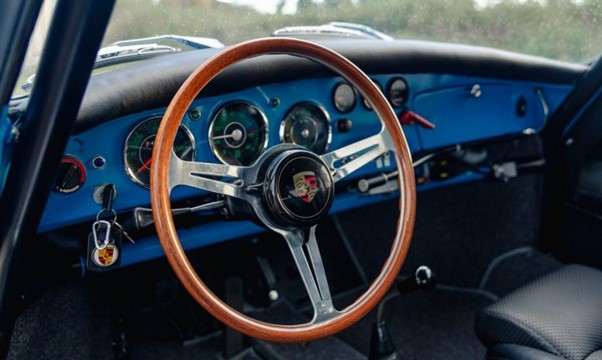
138	150
308	125
238	133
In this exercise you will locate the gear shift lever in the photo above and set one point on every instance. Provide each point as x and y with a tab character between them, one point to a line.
381	343
422	279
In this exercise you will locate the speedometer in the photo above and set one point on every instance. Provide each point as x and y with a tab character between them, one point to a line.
138	150
308	125
238	133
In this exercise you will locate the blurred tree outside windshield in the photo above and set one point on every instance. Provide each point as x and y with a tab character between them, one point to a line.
560	29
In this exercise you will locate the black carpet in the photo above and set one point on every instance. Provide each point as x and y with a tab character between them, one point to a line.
209	349
326	349
427	325
459	229
65	323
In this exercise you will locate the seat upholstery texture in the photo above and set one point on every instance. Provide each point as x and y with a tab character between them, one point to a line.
560	313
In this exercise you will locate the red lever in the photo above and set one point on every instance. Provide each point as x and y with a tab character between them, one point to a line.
409	117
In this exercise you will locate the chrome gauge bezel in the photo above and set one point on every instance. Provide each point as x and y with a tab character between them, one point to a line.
130	172
264	127
321	109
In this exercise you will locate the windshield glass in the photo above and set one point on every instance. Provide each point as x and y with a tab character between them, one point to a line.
566	30
559	29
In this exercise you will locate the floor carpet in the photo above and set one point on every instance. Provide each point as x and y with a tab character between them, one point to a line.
427	325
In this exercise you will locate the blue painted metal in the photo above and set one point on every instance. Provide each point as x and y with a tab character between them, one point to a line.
150	248
5	145
442	99
462	117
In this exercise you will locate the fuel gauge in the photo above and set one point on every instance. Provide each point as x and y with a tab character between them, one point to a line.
308	125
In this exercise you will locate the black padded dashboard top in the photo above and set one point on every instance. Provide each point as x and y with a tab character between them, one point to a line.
152	83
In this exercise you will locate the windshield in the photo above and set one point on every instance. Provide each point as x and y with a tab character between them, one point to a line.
559	29
566	30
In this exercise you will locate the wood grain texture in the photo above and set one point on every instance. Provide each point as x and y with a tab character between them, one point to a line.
160	191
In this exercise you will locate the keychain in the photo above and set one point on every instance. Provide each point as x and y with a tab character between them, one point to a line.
104	241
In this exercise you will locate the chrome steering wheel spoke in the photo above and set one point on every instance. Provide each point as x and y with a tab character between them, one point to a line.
196	174
304	248
350	158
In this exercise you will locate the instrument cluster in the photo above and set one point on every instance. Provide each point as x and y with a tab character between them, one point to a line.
320	114
239	130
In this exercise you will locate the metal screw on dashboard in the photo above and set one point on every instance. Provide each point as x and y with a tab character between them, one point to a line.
475	91
529	131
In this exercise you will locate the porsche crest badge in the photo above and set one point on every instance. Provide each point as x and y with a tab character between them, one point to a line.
306	185
105	257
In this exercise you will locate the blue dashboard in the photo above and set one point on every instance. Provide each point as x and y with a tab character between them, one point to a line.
464	109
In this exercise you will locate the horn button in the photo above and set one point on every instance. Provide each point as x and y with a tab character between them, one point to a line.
299	188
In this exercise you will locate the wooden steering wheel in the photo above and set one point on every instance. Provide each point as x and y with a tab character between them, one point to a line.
268	186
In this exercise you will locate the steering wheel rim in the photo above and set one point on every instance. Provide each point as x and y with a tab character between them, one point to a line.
161	186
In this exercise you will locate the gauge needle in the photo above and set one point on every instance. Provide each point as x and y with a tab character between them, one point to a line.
145	165
140	147
186	152
148	162
236	135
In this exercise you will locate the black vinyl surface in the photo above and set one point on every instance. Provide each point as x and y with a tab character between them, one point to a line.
559	313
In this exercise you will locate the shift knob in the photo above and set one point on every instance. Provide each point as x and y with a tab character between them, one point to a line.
423	278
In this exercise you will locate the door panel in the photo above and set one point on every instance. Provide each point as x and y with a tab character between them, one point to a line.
582	235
